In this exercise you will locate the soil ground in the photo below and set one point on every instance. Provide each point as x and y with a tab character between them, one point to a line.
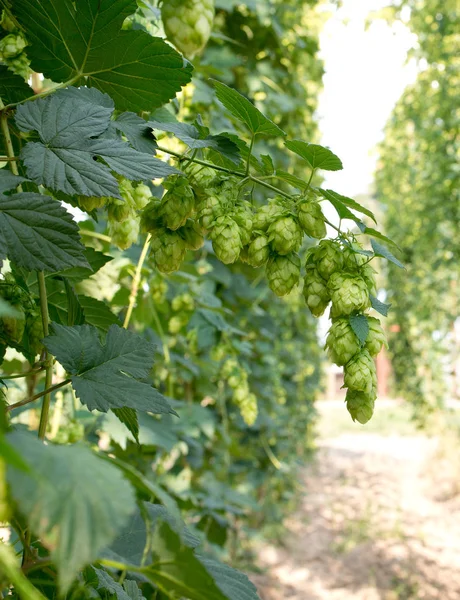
379	517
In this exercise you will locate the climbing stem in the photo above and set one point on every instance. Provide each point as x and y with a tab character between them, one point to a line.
48	357
136	281
46	391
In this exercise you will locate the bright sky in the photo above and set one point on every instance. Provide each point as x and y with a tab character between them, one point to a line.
366	73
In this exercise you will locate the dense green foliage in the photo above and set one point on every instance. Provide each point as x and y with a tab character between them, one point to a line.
172	376
418	182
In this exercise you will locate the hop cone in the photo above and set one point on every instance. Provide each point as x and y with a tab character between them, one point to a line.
177	204
368	274
226	239
376	337
360	406
352	261
12	45
283	273
247	403
243	217
35	334
360	373
90	203
244	254
348	292
285	235
315	292
259	251
266	215
188	23
311	219
150	217
142	196
168	249
201	178
191	234
13	327
341	342
125	234
119	211
209	209
328	258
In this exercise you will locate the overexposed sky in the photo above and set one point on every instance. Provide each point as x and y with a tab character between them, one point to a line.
366	72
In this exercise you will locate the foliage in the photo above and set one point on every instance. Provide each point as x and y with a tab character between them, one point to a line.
418	183
133	236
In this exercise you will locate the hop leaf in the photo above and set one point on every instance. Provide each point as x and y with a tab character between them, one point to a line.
376	338
328	258
349	293
188	24
259	251
342	343
168	249
315	291
283	273
311	219
360	373
226	239
285	235
178	203
360	406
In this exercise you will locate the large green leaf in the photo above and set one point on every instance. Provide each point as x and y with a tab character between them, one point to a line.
234	584
111	375
83	41
241	108
37	233
12	87
318	157
64	160
342	210
347	202
74	501
8	181
107	584
381	250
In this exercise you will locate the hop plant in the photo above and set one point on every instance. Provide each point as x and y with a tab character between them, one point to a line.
209	209
242	215
315	291
19	65
328	258
158	288
341	342
360	406
376	338
352	260
150	217
90	203
360	374
247	404
12	328
259	251
178	203
266	214
188	24
125	234
11	46
119	211
34	329
201	178
183	302
349	293
192	235
226	239
168	250
368	274
141	196
4	504
6	22
285	235
311	219
283	273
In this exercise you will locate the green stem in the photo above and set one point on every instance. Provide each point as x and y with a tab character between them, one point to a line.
48	357
309	181
4	108
251	146
46	391
136	281
119	566
96	235
10	568
32	372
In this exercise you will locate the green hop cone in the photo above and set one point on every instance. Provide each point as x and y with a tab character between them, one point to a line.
259	251
247	403
178	203
244	254
12	328
226	239
360	374
311	219
341	342
353	261
315	291
119	211
142	196
376	337
209	209
90	203
183	302
285	235
150	217
266	214
127	191
283	273
201	178
188	24
368	274
328	258
6	22
34	332
192	235
349	293
12	45
360	406
19	65
242	215
168	250
125	234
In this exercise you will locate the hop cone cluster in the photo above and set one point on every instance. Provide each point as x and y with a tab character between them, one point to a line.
188	24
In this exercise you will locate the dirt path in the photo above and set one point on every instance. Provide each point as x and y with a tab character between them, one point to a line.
373	525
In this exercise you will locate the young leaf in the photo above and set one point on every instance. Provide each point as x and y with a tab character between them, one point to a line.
381	250
234	584
111	375
128	416
132	589
318	157
137	132
241	108
12	87
380	307
84	41
8	181
376	234
64	160
38	234
348	202
342	210
74	519
360	326
296	182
